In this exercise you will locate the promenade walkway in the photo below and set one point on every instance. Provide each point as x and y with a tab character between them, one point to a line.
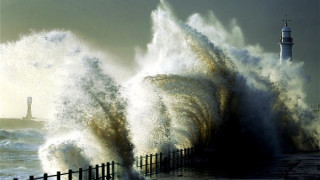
289	166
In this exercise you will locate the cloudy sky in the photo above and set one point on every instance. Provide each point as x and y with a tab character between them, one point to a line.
122	26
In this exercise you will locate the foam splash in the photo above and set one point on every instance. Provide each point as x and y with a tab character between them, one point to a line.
198	85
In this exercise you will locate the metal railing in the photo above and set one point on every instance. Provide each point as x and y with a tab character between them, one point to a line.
146	165
103	171
159	162
315	107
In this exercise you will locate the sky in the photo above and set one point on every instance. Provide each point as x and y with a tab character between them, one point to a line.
122	26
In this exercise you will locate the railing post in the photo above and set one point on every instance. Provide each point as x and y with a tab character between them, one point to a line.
58	175
90	173
108	171
146	164
45	176
160	162
173	159
157	163
192	152
103	176
184	156
169	161
141	162
80	173
112	169
137	163
31	177
188	156
178	158
97	171
181	157
70	174
150	164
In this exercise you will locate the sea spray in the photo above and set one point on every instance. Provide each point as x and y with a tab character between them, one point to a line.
198	85
255	114
65	152
110	127
86	112
96	106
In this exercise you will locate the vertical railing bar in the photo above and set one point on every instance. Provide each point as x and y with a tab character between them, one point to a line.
184	156
169	161
97	171
112	169
45	176
188	156
141	163
177	159
58	175
70	174
137	161
90	173
150	164
146	164
173	159
160	162
181	157
80	173
108	171
157	163
103	173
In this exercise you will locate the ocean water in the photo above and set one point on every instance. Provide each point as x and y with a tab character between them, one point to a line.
19	153
196	84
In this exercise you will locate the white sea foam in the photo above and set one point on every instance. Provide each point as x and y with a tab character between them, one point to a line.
198	84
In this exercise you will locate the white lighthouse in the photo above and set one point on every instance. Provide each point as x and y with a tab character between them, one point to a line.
286	43
29	114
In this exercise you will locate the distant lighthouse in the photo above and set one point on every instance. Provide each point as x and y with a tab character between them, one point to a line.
29	114
286	43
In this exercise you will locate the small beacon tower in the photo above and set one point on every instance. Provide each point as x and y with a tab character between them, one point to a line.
29	114
286	43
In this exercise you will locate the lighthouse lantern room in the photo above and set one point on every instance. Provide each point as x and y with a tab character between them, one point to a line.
286	43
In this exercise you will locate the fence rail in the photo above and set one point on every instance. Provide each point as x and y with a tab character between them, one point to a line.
103	171
146	165
159	162
315	106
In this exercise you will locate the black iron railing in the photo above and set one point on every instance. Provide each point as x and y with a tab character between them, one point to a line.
159	162
315	107
146	165
103	171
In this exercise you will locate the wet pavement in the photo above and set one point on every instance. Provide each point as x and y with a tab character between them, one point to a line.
289	166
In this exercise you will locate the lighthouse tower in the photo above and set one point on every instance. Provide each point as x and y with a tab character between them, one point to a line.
286	43
29	114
